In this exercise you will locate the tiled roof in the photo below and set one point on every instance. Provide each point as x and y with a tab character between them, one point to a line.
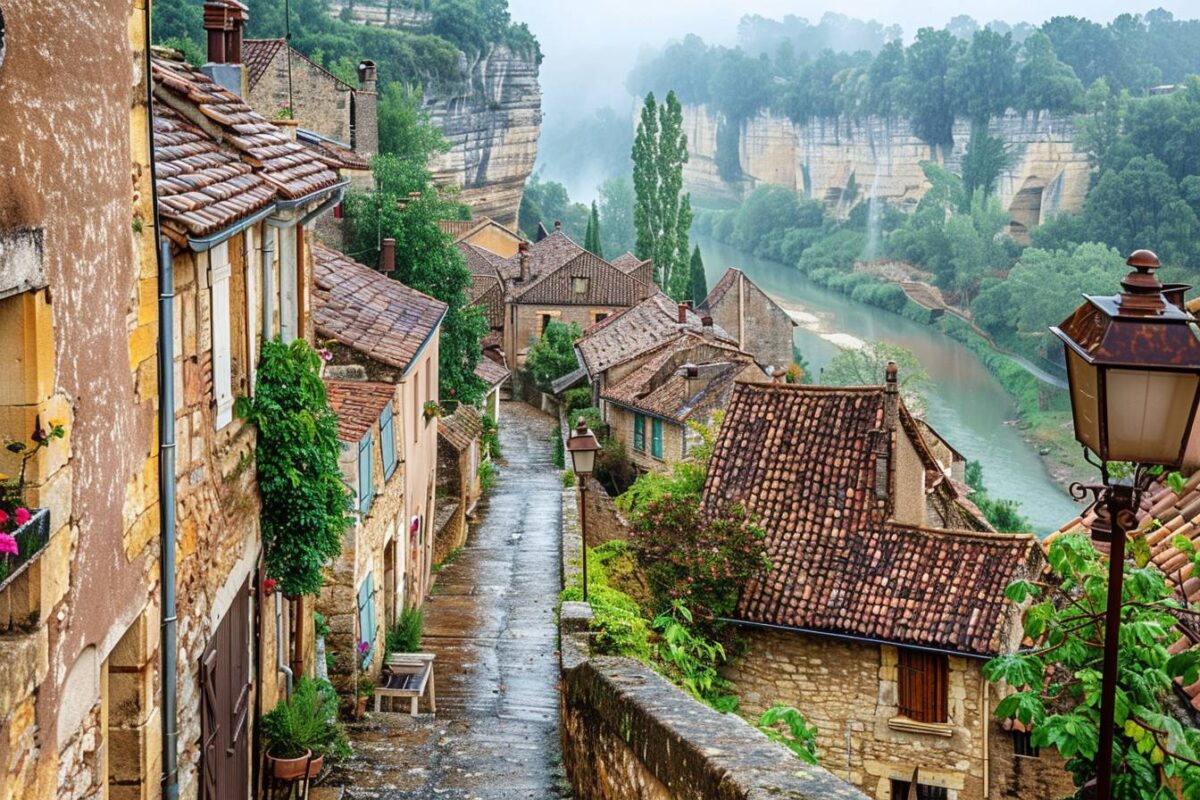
1165	515
723	286
333	154
290	167
545	256
358	405
627	262
461	428
634	331
202	188
368	311
606	285
569	381
803	460
491	373
462	228
486	289
257	55
660	388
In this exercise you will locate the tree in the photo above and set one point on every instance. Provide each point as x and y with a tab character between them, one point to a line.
662	213
866	366
984	77
591	240
1140	206
1047	83
928	95
406	131
698	281
617	232
1058	679
1100	127
985	158
545	202
1003	515
553	355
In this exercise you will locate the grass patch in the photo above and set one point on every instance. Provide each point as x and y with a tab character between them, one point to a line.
450	558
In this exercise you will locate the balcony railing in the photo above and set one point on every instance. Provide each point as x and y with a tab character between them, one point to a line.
31	540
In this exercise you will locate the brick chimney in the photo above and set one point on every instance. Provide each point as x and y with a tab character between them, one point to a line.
886	435
557	225
683	309
523	249
891	392
706	323
364	111
387	256
224	22
691	374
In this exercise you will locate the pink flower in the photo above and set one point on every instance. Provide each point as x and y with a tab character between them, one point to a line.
22	515
325	355
363	648
3	516
8	545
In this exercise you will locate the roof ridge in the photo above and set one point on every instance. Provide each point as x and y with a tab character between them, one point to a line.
991	536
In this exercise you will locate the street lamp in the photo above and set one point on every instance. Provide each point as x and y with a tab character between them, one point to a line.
1133	365
582	446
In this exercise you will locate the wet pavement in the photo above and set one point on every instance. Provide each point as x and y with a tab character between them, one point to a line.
490	620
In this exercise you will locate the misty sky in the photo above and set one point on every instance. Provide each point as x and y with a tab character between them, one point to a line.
590	46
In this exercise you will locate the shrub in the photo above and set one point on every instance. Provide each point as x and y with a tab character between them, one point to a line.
800	737
558	453
691	660
553	355
575	399
568	479
405	635
491	437
487	475
308	721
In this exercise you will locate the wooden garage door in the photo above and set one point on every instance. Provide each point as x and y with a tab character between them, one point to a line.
225	683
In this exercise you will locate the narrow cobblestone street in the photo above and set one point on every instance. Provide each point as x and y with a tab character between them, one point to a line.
491	623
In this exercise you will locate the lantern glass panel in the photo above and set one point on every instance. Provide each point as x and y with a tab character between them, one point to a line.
1148	414
583	461
1085	400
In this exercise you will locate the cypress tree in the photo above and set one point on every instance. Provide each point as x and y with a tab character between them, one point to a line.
699	282
662	213
591	240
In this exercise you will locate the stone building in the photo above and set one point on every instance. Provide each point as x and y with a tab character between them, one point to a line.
371	564
884	599
459	489
79	608
390	332
494	375
685	380
755	321
485	233
238	198
642	269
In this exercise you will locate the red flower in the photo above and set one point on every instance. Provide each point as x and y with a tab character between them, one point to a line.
22	516
268	586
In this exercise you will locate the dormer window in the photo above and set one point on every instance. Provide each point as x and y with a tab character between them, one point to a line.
579	285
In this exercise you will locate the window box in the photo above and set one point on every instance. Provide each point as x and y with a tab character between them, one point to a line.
31	540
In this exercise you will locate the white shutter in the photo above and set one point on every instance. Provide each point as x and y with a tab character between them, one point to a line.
221	363
251	268
288	307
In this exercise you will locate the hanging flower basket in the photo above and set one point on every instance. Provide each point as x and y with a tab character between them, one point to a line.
23	534
432	410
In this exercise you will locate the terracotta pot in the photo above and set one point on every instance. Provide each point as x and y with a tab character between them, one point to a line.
361	708
291	769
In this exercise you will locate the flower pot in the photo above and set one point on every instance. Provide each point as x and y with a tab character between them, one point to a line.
361	708
292	769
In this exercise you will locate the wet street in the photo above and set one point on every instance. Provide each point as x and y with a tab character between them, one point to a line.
491	623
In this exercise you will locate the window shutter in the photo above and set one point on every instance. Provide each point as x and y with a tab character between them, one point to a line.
366	484
387	442
656	444
923	682
639	433
251	261
221	360
366	615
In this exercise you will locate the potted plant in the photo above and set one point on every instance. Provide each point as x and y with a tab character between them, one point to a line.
300	733
431	410
23	530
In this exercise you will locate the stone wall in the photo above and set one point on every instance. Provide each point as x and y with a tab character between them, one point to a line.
605	523
528	328
320	101
833	159
762	328
621	420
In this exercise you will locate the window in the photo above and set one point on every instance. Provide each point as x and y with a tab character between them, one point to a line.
924	791
366	484
656	438
639	433
923	679
222	365
366	616
599	316
1023	745
579	285
387	441
546	319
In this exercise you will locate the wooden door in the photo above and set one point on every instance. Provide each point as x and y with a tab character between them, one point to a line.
225	684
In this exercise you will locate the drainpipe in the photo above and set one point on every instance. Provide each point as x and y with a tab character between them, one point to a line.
268	283
280	661
166	451
987	753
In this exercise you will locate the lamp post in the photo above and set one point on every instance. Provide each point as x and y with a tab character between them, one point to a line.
582	446
1133	365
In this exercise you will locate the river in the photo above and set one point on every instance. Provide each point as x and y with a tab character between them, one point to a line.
968	406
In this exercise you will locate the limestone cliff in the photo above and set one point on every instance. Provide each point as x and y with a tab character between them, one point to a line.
492	121
843	162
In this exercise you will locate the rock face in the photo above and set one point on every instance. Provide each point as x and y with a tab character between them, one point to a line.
492	123
842	162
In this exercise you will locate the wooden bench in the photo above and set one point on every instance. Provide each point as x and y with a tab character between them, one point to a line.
407	675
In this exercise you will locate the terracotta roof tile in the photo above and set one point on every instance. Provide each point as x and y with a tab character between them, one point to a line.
460	229
370	312
486	288
461	428
491	373
290	167
545	256
333	154
202	187
358	405
257	55
606	285
802	459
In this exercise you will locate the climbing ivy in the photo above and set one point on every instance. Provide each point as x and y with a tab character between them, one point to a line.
304	500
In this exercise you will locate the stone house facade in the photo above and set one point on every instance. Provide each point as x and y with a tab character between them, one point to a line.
78	318
756	322
358	599
459	456
484	233
389	332
885	595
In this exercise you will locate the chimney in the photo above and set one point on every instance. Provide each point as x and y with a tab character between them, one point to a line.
683	309
891	393
523	249
557	225
706	323
364	116
224	22
387	256
691	374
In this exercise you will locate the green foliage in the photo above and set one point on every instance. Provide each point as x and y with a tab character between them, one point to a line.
320	625
547	202
662	213
866	366
553	355
928	93
568	479
405	131
691	660
621	629
983	161
304	500
192	53
591	239
1057	681
576	399
983	77
405	635
307	721
617	233
558	454
796	734
699	283
491	437
488	475
683	481
1004	515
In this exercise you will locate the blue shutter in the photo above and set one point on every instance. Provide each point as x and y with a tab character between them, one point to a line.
366	483
387	442
639	433
366	616
656	442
